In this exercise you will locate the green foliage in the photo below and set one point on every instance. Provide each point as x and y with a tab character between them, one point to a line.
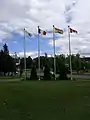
63	72
7	63
33	75
47	74
5	49
59	61
76	62
22	63
29	62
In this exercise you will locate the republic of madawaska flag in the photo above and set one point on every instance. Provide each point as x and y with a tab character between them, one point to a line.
40	31
57	30
28	33
72	30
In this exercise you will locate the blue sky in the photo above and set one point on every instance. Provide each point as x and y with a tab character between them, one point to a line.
16	42
15	15
31	43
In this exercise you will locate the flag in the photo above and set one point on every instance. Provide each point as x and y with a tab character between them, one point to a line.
28	33
41	31
57	30
72	30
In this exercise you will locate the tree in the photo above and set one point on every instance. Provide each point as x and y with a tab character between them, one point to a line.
5	49
21	66
59	61
7	63
11	64
42	61
76	62
46	60
33	75
47	74
1	61
62	72
29	62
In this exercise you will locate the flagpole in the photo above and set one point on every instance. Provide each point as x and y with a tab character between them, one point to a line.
24	55
38	53
54	53
70	52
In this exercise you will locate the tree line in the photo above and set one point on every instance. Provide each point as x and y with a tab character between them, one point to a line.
8	64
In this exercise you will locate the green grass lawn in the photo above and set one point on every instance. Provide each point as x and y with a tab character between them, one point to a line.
60	100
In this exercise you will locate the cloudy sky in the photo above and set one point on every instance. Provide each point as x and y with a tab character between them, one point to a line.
15	15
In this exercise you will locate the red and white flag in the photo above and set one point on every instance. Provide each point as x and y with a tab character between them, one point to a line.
40	31
72	30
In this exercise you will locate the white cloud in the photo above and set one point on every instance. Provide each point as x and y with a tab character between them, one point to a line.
33	54
17	14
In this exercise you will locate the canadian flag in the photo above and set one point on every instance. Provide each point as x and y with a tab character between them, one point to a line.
40	31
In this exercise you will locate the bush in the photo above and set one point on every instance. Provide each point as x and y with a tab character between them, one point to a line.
21	72
33	75
47	74
63	73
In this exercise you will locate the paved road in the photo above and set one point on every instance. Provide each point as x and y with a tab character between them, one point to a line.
82	76
85	76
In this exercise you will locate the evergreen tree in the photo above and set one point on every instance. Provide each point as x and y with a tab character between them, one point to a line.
33	75
5	49
62	72
47	74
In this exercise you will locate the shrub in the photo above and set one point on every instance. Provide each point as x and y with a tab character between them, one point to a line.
47	74
63	73
33	75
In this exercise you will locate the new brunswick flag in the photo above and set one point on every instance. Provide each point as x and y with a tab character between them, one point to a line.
57	30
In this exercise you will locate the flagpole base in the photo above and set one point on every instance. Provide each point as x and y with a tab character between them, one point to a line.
71	79
39	79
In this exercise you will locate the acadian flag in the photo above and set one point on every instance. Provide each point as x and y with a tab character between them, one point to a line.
57	30
28	33
72	30
40	31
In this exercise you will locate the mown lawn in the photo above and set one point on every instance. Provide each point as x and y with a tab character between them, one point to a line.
59	100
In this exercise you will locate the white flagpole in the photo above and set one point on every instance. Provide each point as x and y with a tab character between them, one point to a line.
38	53
70	52
25	56
54	53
